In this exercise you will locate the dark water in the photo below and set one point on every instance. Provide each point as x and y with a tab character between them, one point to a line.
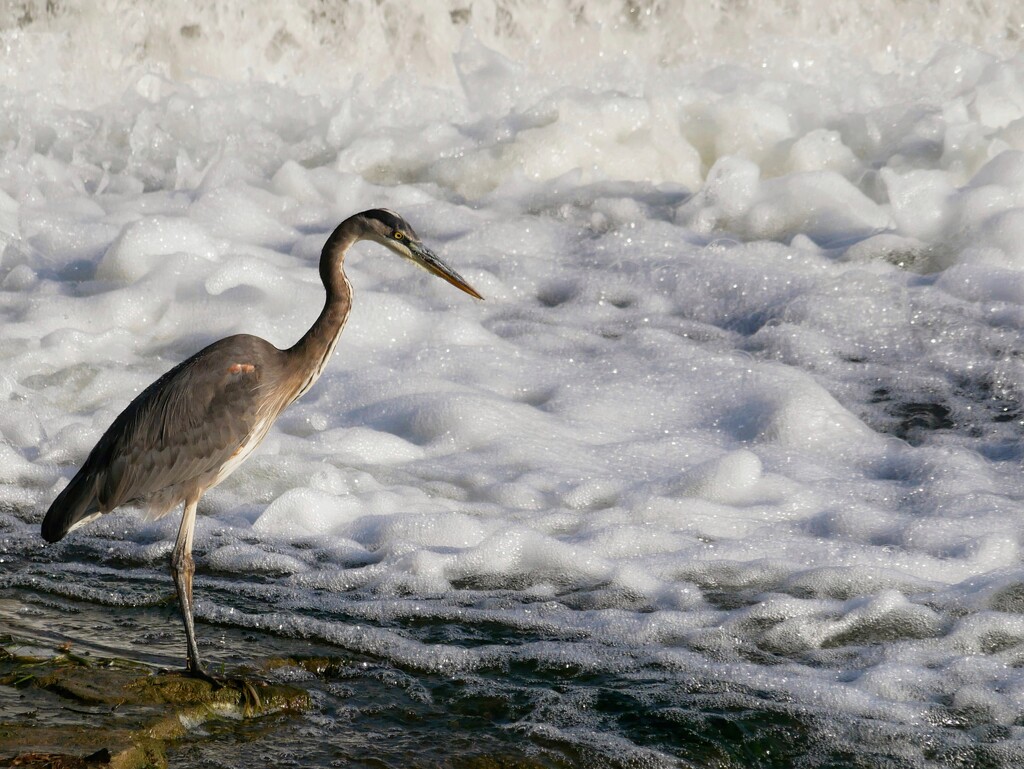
372	712
569	705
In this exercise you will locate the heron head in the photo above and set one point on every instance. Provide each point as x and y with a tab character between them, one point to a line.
393	232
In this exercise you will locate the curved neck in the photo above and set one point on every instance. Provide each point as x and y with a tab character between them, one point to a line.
311	353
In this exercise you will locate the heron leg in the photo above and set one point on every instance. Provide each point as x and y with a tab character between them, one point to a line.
182	570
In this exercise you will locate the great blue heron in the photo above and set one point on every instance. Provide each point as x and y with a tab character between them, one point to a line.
193	426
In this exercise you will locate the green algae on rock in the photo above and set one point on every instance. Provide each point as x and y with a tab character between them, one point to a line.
67	710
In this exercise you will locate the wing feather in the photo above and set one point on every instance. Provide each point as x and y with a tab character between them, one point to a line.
177	435
185	425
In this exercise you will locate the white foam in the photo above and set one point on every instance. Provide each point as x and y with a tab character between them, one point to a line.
253	560
302	513
143	245
746	383
725	479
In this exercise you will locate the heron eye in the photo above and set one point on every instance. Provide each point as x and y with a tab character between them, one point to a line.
398	235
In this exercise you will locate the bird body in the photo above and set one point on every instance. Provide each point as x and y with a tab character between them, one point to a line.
197	423
178	435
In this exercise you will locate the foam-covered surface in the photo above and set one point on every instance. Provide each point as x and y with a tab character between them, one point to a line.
743	400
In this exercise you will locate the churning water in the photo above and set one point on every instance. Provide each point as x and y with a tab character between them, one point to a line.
726	470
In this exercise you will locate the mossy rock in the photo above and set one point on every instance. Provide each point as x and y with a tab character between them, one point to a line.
114	713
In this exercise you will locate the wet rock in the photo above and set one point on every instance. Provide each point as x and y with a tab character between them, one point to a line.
68	711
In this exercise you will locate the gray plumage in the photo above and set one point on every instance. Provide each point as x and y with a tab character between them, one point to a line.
174	437
193	426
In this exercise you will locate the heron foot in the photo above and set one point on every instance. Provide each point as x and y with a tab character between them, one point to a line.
251	701
215	682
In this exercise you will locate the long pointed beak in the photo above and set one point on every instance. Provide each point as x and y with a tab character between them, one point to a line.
431	262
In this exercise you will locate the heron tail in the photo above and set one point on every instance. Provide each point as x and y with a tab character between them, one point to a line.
73	506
